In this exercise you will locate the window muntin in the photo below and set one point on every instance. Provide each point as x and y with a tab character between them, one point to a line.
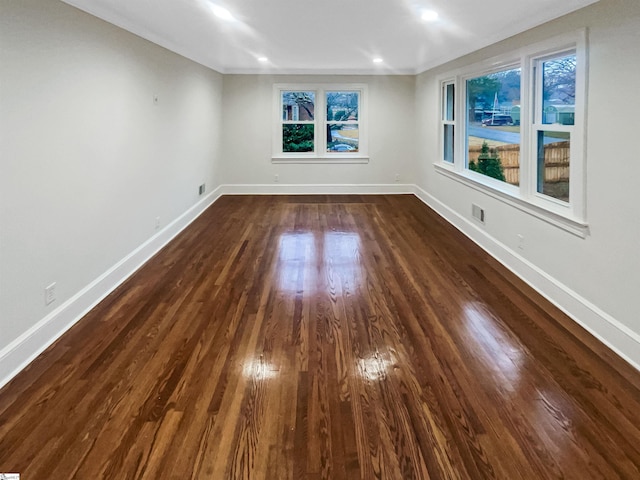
492	133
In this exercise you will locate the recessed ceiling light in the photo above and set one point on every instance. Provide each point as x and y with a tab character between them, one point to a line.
377	60
429	16
222	13
263	59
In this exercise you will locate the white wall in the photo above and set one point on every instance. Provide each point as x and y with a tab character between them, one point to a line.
596	279
87	161
248	126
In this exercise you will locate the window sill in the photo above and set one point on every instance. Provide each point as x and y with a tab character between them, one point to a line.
565	222
332	159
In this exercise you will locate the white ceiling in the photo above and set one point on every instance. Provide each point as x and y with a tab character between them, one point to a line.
326	36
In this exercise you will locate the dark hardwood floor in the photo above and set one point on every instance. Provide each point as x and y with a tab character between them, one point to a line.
323	337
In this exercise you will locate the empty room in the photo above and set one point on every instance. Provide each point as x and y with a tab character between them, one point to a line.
303	239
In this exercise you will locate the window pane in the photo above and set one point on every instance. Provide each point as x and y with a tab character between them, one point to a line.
554	150
342	137
342	106
298	106
559	90
448	143
449	96
493	125
297	137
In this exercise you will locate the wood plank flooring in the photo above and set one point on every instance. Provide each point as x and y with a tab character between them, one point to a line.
323	337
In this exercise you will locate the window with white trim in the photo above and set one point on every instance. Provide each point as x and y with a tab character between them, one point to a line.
521	137
554	122
448	120
343	132
320	122
298	131
492	132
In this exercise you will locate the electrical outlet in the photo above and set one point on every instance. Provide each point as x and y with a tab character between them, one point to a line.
201	189
276	178
50	294
397	177
520	241
477	212
157	223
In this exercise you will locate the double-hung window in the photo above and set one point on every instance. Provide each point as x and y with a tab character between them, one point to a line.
492	133
554	120
519	129
320	123
448	120
298	121
341	122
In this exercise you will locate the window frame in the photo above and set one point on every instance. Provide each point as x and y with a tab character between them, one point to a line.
576	156
509	63
320	122
444	121
295	120
570	216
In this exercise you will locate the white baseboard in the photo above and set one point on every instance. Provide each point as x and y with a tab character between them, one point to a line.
618	337
315	189
24	349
